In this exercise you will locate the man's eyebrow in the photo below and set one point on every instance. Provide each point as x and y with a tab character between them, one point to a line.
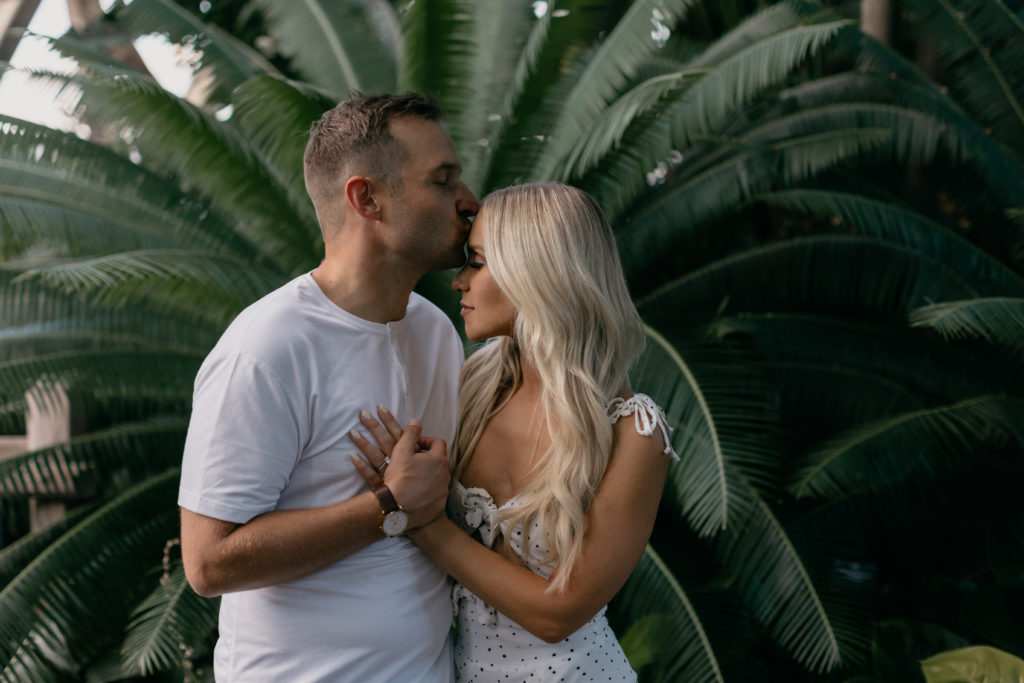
448	166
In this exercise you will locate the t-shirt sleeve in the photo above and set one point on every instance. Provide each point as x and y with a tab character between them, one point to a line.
243	440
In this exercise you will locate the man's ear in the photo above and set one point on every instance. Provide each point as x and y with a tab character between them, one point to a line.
359	192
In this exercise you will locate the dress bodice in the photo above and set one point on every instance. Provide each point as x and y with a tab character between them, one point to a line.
489	646
474	510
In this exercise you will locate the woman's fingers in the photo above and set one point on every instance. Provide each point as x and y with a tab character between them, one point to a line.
369	474
377	459
389	422
381	434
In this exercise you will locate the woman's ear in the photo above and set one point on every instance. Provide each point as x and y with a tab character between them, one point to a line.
359	193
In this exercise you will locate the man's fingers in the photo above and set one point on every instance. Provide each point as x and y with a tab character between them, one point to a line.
410	438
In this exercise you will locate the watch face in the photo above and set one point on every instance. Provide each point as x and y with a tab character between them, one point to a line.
395	522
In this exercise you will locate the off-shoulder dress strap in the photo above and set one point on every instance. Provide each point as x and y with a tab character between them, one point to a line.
647	416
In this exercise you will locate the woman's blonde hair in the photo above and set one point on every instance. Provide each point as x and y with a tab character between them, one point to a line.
552	253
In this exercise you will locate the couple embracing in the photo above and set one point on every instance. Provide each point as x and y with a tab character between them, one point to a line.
324	526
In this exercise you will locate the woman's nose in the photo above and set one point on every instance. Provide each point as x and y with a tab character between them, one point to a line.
459	283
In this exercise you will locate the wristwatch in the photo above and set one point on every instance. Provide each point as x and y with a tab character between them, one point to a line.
395	518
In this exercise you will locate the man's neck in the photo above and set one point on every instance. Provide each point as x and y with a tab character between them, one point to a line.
365	287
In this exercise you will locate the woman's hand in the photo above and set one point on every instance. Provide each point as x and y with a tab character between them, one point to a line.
414	467
386	434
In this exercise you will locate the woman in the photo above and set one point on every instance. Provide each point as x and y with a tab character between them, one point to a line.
554	496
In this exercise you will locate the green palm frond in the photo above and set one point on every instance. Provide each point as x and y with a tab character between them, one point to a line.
50	627
16	556
217	287
556	54
207	157
774	582
168	625
495	48
850	273
699	479
109	457
714	404
220	61
275	116
980	41
338	46
925	108
716	89
32	313
160	380
911	445
705	189
998	320
607	73
74	177
930	370
664	631
905	227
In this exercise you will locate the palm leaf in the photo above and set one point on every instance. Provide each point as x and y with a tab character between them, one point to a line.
208	157
607	73
981	40
905	227
716	90
75	177
664	631
849	274
926	108
49	626
168	625
908	446
492	52
713	410
217	287
997	320
275	116
919	366
699	194
557	53
108	457
221	62
16	556
774	582
160	380
338	46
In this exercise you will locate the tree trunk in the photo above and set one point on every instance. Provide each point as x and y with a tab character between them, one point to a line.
14	14
876	19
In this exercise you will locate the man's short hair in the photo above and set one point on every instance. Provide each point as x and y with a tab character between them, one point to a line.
354	138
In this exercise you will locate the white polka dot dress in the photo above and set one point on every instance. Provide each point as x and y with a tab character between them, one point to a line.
490	647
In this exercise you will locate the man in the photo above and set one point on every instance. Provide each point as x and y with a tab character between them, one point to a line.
318	582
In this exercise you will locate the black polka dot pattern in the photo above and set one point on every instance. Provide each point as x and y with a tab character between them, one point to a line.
491	647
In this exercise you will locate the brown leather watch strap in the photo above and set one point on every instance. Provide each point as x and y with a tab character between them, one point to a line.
386	499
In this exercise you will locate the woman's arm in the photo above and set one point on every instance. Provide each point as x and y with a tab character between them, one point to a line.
619	523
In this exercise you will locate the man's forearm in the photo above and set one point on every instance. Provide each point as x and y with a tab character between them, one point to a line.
276	547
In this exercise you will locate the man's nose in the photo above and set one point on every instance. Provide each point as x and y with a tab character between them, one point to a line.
468	205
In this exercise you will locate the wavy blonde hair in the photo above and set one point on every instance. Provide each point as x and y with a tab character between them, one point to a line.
553	254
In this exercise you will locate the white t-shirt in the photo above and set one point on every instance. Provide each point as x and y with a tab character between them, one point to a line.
274	402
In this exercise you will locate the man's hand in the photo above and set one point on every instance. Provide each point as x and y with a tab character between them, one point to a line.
414	467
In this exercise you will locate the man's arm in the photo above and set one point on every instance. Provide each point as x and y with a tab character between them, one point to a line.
285	545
